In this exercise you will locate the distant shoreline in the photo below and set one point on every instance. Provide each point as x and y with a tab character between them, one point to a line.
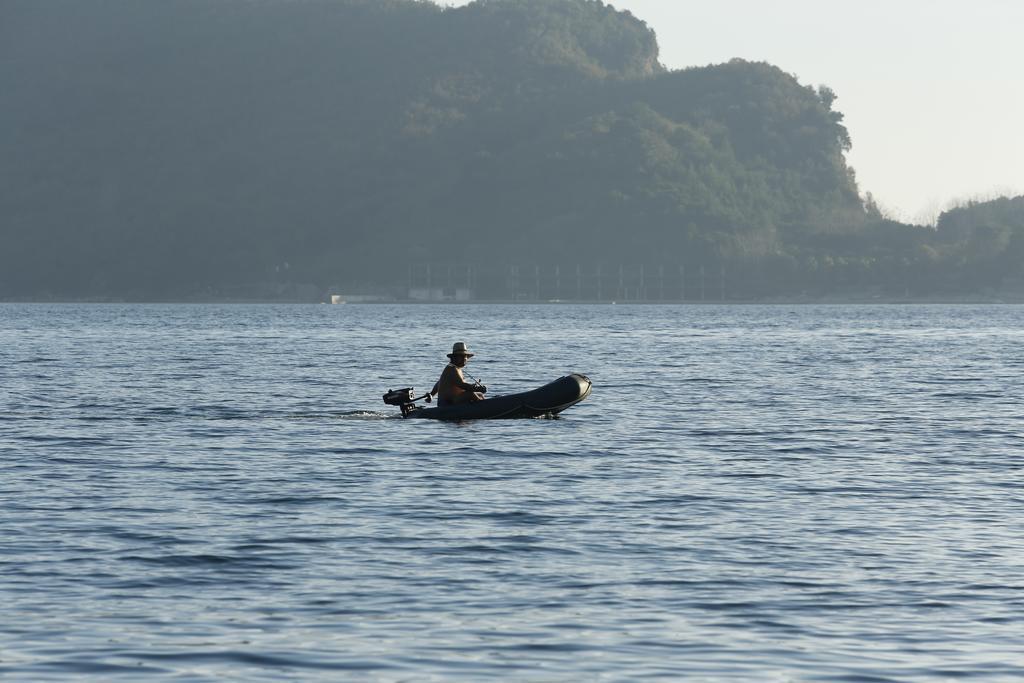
1016	298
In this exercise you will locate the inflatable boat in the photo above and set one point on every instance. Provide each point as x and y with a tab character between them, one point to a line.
550	399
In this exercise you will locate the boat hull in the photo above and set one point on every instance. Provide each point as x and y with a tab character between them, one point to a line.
549	399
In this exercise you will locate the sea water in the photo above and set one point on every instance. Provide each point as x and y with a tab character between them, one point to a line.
214	492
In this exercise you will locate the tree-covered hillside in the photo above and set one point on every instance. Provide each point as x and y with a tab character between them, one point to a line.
222	148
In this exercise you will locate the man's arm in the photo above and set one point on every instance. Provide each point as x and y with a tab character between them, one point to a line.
461	382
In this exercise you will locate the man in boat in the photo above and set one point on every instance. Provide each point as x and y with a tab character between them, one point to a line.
453	389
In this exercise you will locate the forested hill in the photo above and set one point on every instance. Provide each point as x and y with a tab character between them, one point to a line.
205	148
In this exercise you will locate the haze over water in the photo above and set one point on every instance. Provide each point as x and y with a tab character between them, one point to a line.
751	493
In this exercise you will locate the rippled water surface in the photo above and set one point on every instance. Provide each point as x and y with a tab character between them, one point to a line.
751	493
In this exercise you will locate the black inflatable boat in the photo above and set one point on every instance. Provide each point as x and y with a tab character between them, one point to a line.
549	399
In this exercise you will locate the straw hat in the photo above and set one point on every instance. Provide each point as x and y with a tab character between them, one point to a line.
459	349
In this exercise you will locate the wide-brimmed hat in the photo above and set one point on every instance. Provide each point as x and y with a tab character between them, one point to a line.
459	349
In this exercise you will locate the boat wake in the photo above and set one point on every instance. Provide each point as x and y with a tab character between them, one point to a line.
364	415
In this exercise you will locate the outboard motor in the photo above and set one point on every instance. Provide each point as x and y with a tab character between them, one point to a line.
397	397
403	398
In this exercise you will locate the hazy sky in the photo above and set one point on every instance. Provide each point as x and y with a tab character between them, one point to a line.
932	90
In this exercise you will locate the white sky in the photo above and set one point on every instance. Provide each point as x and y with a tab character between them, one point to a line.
932	90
